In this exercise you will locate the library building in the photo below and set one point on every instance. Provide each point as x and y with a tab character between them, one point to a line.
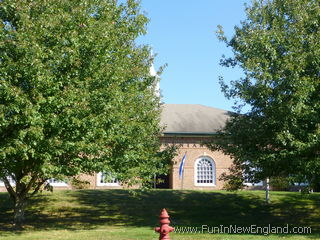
187	126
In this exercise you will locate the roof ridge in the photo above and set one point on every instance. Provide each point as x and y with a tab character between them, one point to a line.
193	118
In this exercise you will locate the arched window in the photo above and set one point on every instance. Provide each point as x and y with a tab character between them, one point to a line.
205	172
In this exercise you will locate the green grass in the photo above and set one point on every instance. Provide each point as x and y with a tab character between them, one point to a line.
122	214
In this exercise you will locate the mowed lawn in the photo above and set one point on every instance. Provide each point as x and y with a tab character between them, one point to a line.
125	215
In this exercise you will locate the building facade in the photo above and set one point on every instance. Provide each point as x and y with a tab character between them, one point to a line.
188	126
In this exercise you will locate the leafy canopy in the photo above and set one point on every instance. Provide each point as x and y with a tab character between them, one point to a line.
278	48
76	95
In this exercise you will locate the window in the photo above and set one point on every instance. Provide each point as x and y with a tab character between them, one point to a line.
53	182
107	179
300	181
56	183
205	172
251	184
303	184
12	182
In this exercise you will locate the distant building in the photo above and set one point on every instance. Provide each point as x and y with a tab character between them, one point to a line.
187	126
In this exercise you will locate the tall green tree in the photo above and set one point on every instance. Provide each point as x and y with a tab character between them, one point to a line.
76	95
278	48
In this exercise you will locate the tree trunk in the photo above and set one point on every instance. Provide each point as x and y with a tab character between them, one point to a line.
20	195
19	208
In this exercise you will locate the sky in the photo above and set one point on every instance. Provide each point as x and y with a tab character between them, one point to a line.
183	35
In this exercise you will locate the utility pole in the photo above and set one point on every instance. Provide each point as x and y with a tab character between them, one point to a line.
267	190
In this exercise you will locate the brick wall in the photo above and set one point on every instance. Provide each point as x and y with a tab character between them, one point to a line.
194	149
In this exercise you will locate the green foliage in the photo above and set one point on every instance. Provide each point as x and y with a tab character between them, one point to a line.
78	183
280	183
305	191
233	180
76	95
278	48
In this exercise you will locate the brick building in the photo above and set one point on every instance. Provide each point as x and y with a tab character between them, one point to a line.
188	126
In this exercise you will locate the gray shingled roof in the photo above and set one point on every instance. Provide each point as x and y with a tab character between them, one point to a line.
192	119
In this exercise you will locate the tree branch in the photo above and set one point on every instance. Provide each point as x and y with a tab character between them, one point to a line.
38	187
28	187
9	188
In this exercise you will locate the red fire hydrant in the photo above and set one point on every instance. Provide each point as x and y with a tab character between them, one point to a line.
164	228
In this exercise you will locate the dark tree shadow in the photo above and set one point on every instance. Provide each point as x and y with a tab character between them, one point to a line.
6	212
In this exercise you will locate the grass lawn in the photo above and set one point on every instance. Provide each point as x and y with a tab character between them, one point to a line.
125	215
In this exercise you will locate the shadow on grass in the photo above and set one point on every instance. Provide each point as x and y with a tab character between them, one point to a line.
6	212
89	209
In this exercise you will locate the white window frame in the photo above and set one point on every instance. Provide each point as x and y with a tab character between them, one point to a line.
57	183
213	184
101	184
250	184
303	184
